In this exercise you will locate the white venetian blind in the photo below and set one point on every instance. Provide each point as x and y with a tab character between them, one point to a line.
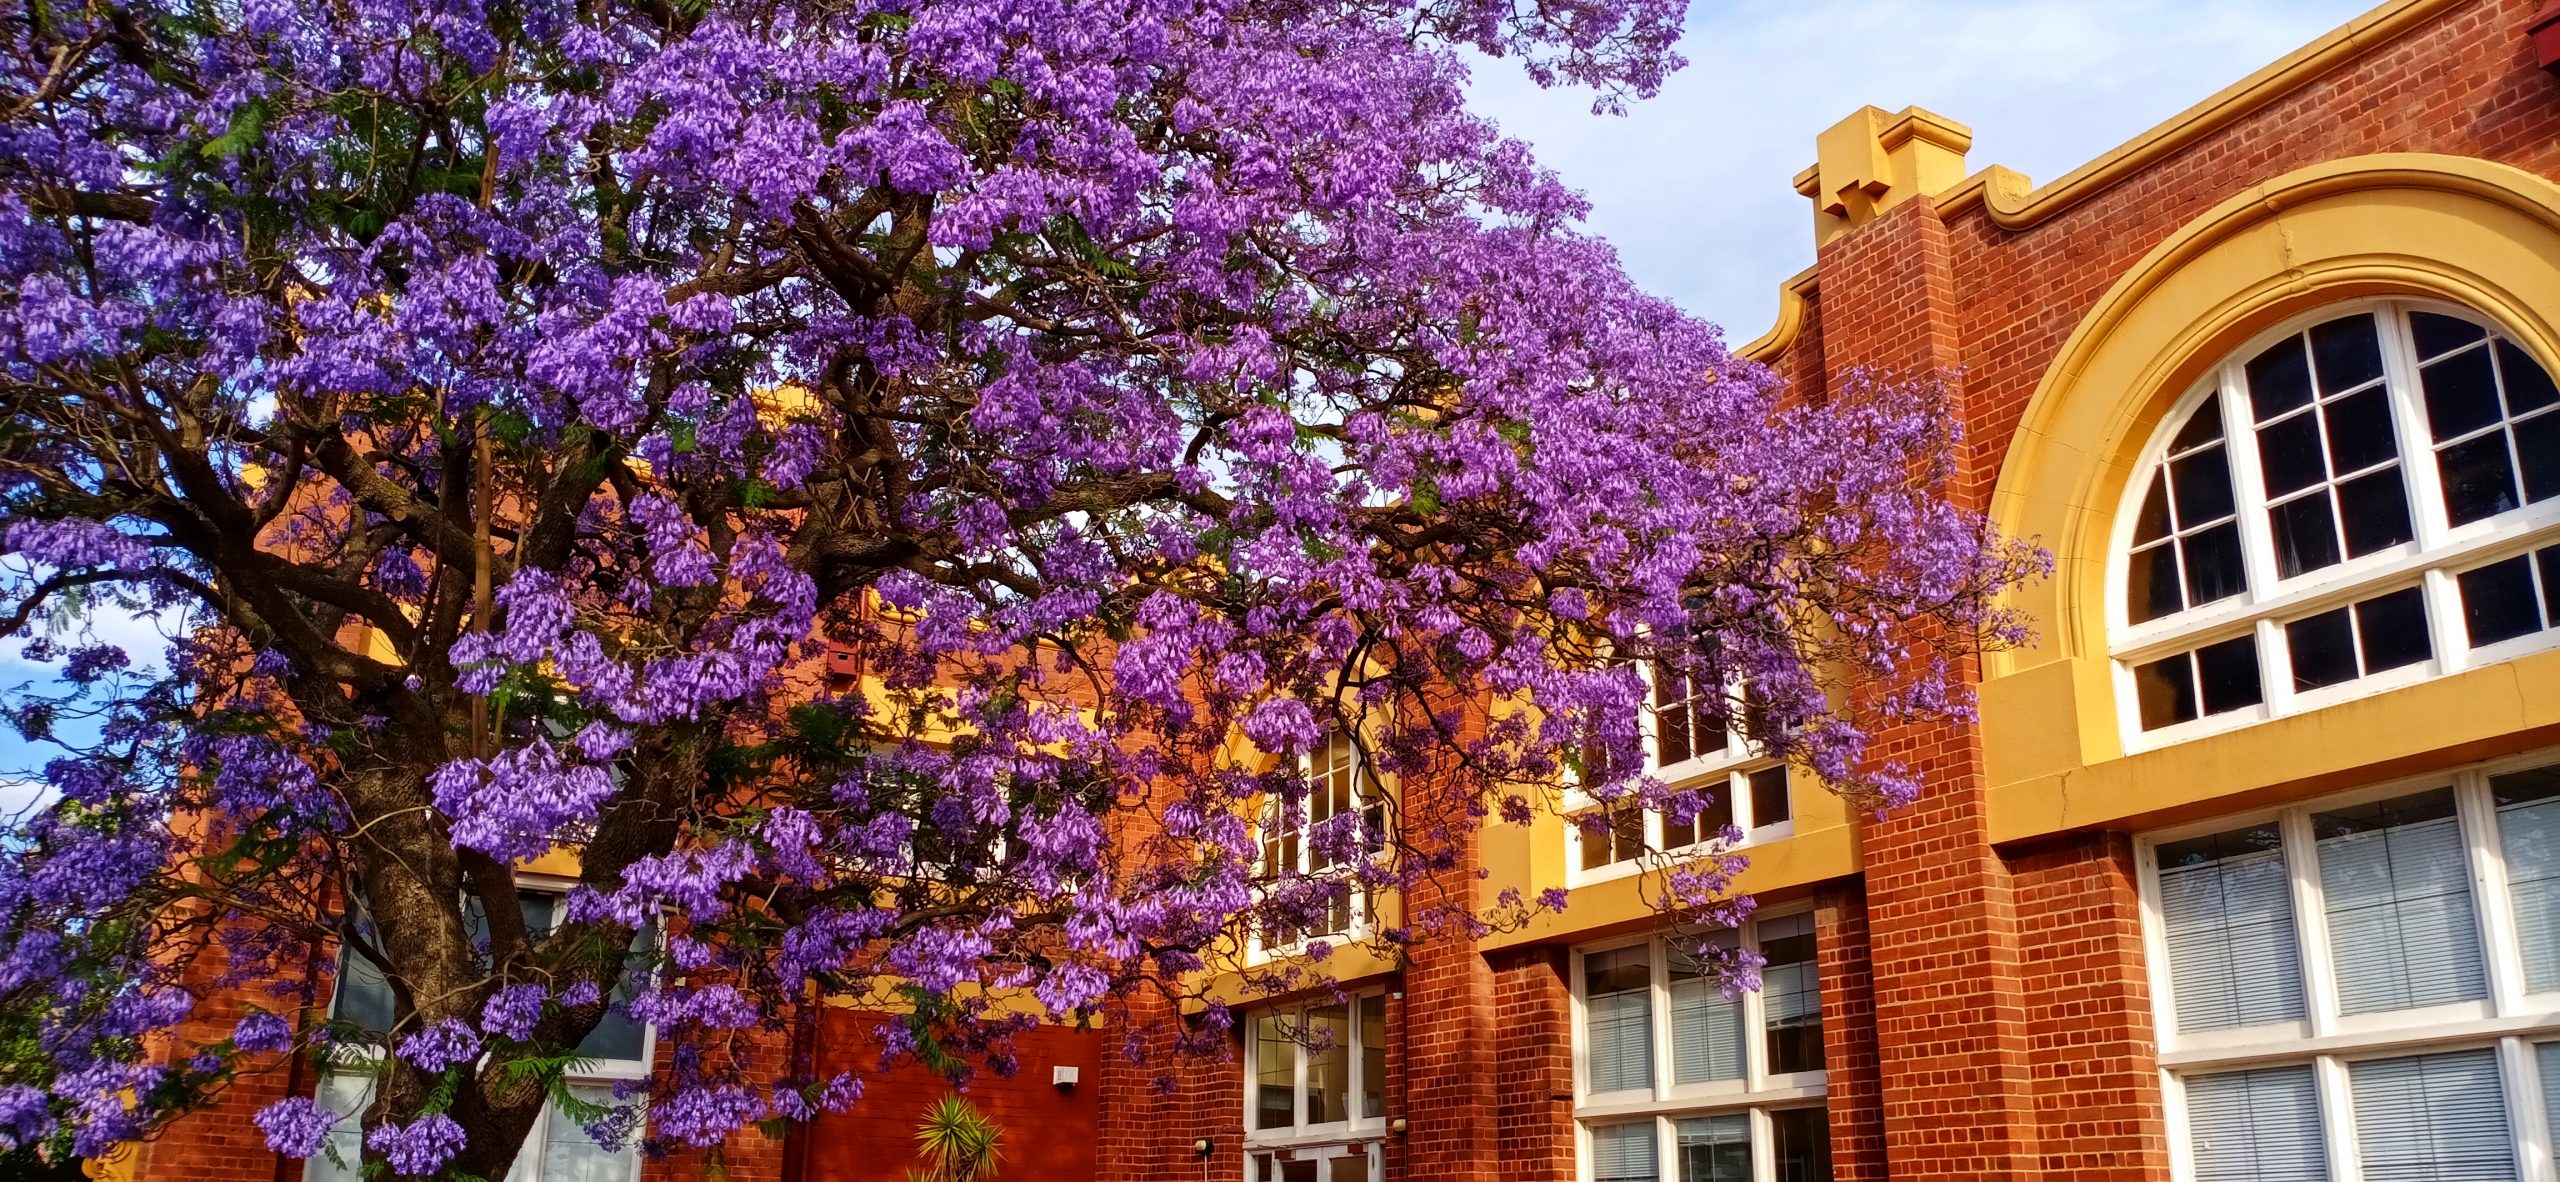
2529	834
1706	1025
2226	911
2546	1060
2256	1126
2397	885
2432	1118
1618	1018
1623	1153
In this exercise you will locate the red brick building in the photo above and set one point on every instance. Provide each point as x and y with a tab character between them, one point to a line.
2251	866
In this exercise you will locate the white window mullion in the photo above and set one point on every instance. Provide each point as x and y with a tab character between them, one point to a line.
1298	1074
2173	1109
2248	482
1764	1147
1659	1018
2337	1119
2311	922
2155	946
2489	892
2522	1077
1755	1019
2445	627
2428	519
2275	669
1666	1149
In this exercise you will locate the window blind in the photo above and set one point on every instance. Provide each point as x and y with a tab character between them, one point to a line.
1618	1018
2529	834
1706	1027
2397	884
2546	1061
2226	910
2256	1126
2432	1118
1623	1153
1715	1148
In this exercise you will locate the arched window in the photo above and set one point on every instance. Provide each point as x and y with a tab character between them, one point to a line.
2361	498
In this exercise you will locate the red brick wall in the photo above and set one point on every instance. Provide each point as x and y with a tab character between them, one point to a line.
1851	1070
1048	1131
2096	1083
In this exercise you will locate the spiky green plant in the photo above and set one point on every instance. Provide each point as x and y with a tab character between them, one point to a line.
957	1142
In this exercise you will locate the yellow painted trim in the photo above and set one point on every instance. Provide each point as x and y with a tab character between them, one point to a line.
2470	231
2002	194
1793	296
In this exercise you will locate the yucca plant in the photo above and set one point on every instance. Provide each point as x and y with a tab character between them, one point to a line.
957	1142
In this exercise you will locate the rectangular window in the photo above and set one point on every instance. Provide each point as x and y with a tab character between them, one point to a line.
2397	883
2511	597
2330	973
1754	803
2226	907
1618	1018
2338	646
2216	679
1356	1162
1314	1068
1688	717
1791	991
558	1149
1741	1098
2256	1126
1318	845
2432	1118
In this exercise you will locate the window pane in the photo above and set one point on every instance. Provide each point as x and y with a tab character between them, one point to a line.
2151	523
1599	841
2498	601
2437	333
2226	911
1328	1064
1803	1146
2546	563
617	1036
2279	379
570	1155
2203	483
2392	630
1275	1074
2360	431
1791	994
2479	479
2203	426
344	1094
2376	511
2528	385
2289	454
364	999
1353	1167
2323	648
1623	1153
2306	536
2528	806
2166	691
2396	881
2213	564
1706	1025
2346	352
2227	675
2538	441
2151	583
1373	1055
1618	1016
1715	1148
2432	1118
2462	394
2256	1126
1769	804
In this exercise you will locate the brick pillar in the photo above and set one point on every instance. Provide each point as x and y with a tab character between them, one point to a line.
2095	1062
1533	1014
1853	1093
1154	1103
1450	1063
1950	1016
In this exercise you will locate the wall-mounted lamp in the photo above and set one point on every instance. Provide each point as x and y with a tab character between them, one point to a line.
1203	1146
1396	1126
1064	1077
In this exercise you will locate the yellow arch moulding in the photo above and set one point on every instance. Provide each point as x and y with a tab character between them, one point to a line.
2011	203
2476	232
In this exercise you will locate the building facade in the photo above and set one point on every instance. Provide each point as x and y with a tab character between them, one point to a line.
2250	868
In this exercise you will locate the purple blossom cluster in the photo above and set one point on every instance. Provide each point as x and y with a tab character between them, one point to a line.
943	474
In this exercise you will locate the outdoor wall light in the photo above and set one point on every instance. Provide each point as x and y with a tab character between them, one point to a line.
1396	1126
1203	1146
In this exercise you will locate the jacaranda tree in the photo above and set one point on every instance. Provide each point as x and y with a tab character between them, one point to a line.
508	402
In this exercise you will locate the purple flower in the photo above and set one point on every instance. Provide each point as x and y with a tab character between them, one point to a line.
419	1147
442	1044
296	1126
262	1032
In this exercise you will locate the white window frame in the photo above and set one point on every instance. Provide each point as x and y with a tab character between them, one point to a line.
2510	1019
1759	1092
1365	791
1303	1141
2438	552
1730	779
604	1073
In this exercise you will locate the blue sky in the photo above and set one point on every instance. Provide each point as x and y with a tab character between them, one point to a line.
1695	187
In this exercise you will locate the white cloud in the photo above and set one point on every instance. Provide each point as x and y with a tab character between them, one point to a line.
1695	186
19	796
